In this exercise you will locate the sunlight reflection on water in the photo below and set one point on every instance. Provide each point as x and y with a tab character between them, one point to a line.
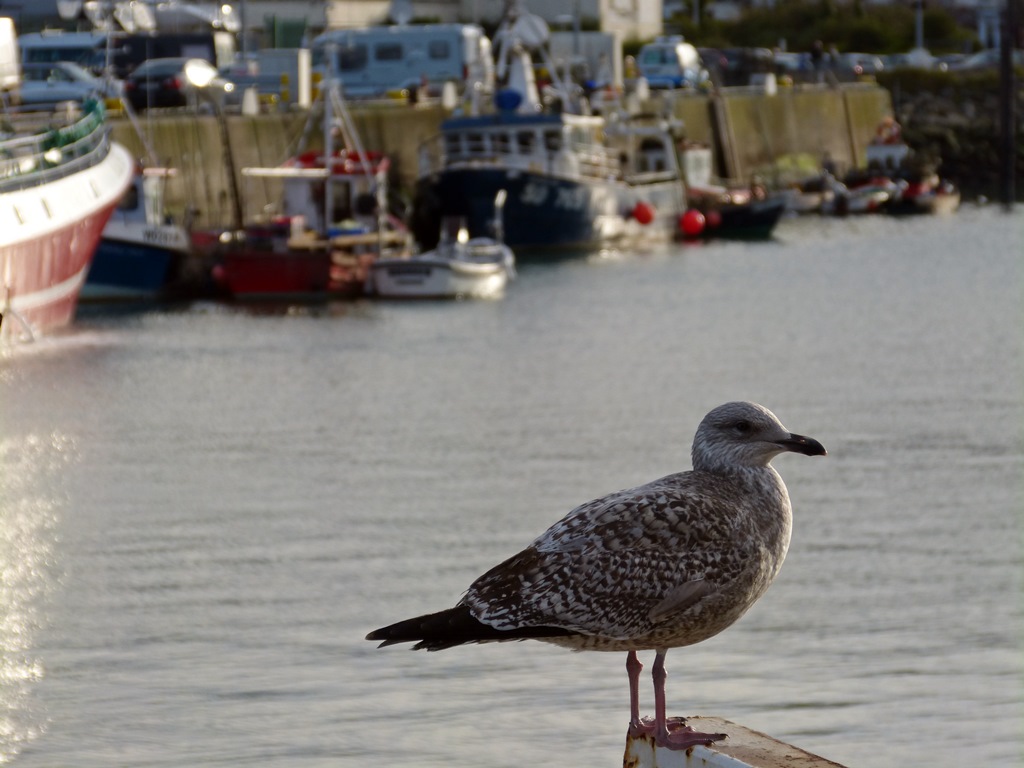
206	509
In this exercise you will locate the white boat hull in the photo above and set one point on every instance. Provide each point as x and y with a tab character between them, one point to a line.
431	276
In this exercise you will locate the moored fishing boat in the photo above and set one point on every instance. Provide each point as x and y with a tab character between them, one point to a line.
459	267
142	251
477	268
573	179
920	189
60	179
718	210
329	225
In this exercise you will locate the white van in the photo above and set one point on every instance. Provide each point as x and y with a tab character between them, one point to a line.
378	60
669	62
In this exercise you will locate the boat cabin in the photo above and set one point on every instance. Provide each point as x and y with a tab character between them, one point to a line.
561	144
143	203
567	144
344	199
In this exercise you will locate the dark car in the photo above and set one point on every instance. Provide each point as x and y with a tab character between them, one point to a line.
163	83
734	66
715	63
987	59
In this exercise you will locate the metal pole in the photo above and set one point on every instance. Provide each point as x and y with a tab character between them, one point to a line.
244	33
229	157
919	24
1007	107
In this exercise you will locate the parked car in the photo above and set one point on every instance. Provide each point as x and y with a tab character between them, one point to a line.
987	59
948	61
796	65
736	66
853	66
50	83
243	78
158	83
917	58
669	62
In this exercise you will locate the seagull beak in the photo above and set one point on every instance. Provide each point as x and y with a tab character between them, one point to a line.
800	444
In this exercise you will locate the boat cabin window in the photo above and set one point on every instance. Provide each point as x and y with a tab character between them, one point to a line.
388	52
439	49
453	145
502	143
580	136
553	140
526	141
130	199
476	143
651	157
352	58
341	209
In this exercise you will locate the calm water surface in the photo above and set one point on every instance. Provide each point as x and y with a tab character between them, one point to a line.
203	511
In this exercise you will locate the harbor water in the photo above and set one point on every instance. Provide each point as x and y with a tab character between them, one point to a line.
204	509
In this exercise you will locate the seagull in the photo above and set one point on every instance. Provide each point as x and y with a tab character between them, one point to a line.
663	565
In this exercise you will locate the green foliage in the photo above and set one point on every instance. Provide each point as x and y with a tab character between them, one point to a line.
951	85
849	26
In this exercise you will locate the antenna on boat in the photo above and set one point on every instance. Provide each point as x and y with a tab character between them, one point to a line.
499	215
519	36
349	134
336	112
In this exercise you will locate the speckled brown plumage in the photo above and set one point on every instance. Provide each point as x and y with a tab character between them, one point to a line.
663	565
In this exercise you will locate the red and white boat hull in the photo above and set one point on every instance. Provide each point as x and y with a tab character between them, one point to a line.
48	235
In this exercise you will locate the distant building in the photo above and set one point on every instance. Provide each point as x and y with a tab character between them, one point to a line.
632	19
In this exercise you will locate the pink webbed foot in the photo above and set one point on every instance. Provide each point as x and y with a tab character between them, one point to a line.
644	727
678	735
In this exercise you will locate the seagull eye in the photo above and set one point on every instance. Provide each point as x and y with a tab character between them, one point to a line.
743	427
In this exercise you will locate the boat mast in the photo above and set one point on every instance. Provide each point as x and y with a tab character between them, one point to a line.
336	114
521	35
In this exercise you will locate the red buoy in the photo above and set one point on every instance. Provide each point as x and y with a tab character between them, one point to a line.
712	219
692	223
643	212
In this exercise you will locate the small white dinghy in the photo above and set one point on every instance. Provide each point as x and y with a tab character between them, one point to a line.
460	267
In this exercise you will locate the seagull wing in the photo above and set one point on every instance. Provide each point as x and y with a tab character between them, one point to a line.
617	566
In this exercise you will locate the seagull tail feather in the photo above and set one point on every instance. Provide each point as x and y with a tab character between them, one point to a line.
455	626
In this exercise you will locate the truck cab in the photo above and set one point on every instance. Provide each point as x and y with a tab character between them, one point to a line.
670	62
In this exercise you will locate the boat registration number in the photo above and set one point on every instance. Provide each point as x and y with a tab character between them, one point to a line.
566	198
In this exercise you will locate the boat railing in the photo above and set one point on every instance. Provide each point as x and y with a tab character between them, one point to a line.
51	152
579	159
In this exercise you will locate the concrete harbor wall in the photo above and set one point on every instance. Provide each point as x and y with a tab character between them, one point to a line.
774	136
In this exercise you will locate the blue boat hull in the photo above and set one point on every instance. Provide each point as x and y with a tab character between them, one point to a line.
541	212
127	270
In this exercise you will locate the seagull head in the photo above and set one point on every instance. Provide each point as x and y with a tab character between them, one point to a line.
745	435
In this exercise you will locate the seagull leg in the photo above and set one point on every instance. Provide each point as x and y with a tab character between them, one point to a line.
680	735
633	669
